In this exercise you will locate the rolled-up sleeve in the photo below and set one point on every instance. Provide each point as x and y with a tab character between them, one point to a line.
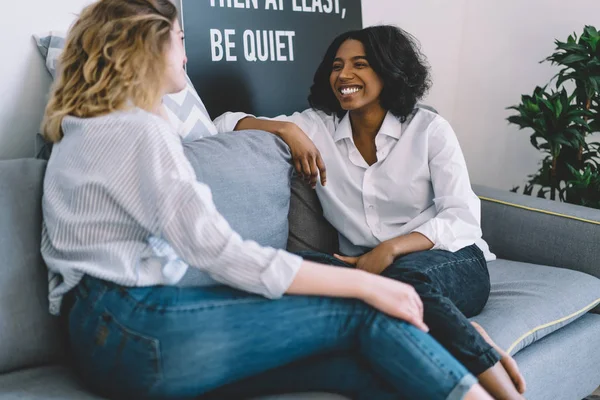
228	121
457	223
307	120
181	210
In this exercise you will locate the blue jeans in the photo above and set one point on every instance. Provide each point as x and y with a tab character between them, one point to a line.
218	342
453	287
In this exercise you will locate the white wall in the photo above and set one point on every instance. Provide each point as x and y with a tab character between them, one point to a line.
24	82
502	44
484	55
437	26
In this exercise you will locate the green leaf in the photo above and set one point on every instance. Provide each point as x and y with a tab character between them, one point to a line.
559	108
573	58
579	113
574	47
562	141
574	132
544	146
547	104
581	121
594	83
591	31
542	193
594	63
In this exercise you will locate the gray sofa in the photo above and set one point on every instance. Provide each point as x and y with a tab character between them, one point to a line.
544	315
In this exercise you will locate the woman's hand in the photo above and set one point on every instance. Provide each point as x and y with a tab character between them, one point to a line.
384	255
391	297
306	156
396	299
374	261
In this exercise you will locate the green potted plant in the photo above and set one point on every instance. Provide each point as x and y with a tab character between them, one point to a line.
562	121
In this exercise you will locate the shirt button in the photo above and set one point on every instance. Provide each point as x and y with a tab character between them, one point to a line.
371	207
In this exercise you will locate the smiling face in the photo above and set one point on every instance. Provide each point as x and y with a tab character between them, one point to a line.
353	81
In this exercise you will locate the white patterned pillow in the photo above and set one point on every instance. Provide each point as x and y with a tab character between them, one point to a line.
185	109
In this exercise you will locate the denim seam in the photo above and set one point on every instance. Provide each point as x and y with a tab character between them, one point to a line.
205	306
133	333
438	266
92	297
412	338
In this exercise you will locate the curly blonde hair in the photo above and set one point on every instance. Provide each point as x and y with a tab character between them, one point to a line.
114	58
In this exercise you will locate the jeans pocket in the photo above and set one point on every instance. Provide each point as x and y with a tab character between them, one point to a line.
117	361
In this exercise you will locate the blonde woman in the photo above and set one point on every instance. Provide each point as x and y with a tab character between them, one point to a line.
126	223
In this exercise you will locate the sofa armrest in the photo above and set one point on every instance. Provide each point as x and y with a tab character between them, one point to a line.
533	230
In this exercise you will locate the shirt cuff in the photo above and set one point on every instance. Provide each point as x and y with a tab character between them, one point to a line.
280	274
428	230
227	121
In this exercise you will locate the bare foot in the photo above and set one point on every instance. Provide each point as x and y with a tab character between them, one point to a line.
509	363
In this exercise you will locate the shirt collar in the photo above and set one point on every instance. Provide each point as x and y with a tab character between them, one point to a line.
391	127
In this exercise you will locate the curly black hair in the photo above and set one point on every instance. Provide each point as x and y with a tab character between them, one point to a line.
394	55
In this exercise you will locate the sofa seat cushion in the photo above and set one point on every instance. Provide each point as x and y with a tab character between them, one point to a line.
48	383
57	382
564	364
529	301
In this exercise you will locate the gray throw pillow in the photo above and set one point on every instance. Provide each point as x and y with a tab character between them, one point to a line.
309	230
249	174
29	336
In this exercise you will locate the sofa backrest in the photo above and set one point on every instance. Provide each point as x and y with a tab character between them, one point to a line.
308	228
29	336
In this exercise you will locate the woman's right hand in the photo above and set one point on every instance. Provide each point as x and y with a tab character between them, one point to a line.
391	297
306	156
396	299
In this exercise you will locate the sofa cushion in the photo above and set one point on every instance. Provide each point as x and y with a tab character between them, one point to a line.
43	383
28	334
185	109
564	364
59	383
249	174
309	230
529	301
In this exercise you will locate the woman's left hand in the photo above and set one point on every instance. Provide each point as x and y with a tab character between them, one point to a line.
375	261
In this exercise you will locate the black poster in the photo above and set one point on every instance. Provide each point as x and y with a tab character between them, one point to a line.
259	56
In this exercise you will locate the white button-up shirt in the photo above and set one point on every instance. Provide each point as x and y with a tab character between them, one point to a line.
419	183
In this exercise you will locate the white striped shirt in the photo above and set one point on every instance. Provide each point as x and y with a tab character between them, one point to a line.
121	203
